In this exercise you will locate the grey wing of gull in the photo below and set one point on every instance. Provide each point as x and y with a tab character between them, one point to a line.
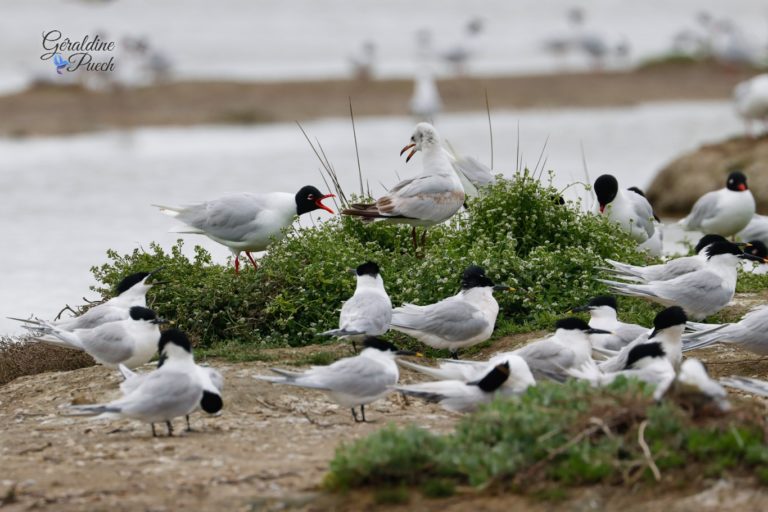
359	376
644	212
94	317
162	394
619	361
452	320
701	289
757	229
679	267
232	217
703	209
423	184
366	312
476	172
630	332
547	358
109	342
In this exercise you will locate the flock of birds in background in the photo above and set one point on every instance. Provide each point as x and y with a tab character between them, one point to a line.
123	333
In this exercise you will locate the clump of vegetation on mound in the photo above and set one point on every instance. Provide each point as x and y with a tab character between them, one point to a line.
556	436
518	231
19	357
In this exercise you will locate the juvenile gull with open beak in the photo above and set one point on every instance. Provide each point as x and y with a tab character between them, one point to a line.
430	198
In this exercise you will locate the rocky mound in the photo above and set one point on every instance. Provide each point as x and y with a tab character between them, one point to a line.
678	185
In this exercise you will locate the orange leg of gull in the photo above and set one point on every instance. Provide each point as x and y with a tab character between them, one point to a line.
255	266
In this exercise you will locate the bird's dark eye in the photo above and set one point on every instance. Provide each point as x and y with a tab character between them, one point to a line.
310	197
413	139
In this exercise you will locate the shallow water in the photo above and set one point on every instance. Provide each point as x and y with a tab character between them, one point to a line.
68	199
277	39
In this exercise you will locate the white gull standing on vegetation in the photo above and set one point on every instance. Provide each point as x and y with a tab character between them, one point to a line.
247	222
430	198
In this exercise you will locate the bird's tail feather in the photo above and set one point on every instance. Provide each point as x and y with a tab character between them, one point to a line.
25	320
126	372
341	332
700	343
444	372
587	371
171	211
424	394
755	386
92	410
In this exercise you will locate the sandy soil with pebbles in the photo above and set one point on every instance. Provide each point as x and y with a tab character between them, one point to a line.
269	450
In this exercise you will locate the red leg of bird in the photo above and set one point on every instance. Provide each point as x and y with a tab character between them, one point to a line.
237	264
413	237
255	266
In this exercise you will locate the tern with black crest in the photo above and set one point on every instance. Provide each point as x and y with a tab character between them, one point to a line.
668	270
700	293
603	312
171	391
131	342
369	311
130	291
353	381
457	395
466	319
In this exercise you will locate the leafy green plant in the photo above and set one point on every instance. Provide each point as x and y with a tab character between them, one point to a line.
517	230
557	435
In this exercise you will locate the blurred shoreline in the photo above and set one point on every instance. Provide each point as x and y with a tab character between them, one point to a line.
57	110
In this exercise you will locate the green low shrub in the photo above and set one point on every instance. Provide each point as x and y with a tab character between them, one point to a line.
556	435
517	230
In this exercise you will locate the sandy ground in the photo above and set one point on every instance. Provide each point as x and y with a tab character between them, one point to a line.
269	450
47	110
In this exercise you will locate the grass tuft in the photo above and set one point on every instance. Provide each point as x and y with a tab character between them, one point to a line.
558	436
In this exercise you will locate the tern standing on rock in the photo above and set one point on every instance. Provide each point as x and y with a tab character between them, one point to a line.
247	222
723	212
369	311
430	198
457	322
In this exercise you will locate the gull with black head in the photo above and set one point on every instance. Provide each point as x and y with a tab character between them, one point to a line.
247	222
630	210
725	211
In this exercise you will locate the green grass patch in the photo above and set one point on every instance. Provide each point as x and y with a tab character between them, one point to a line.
553	437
